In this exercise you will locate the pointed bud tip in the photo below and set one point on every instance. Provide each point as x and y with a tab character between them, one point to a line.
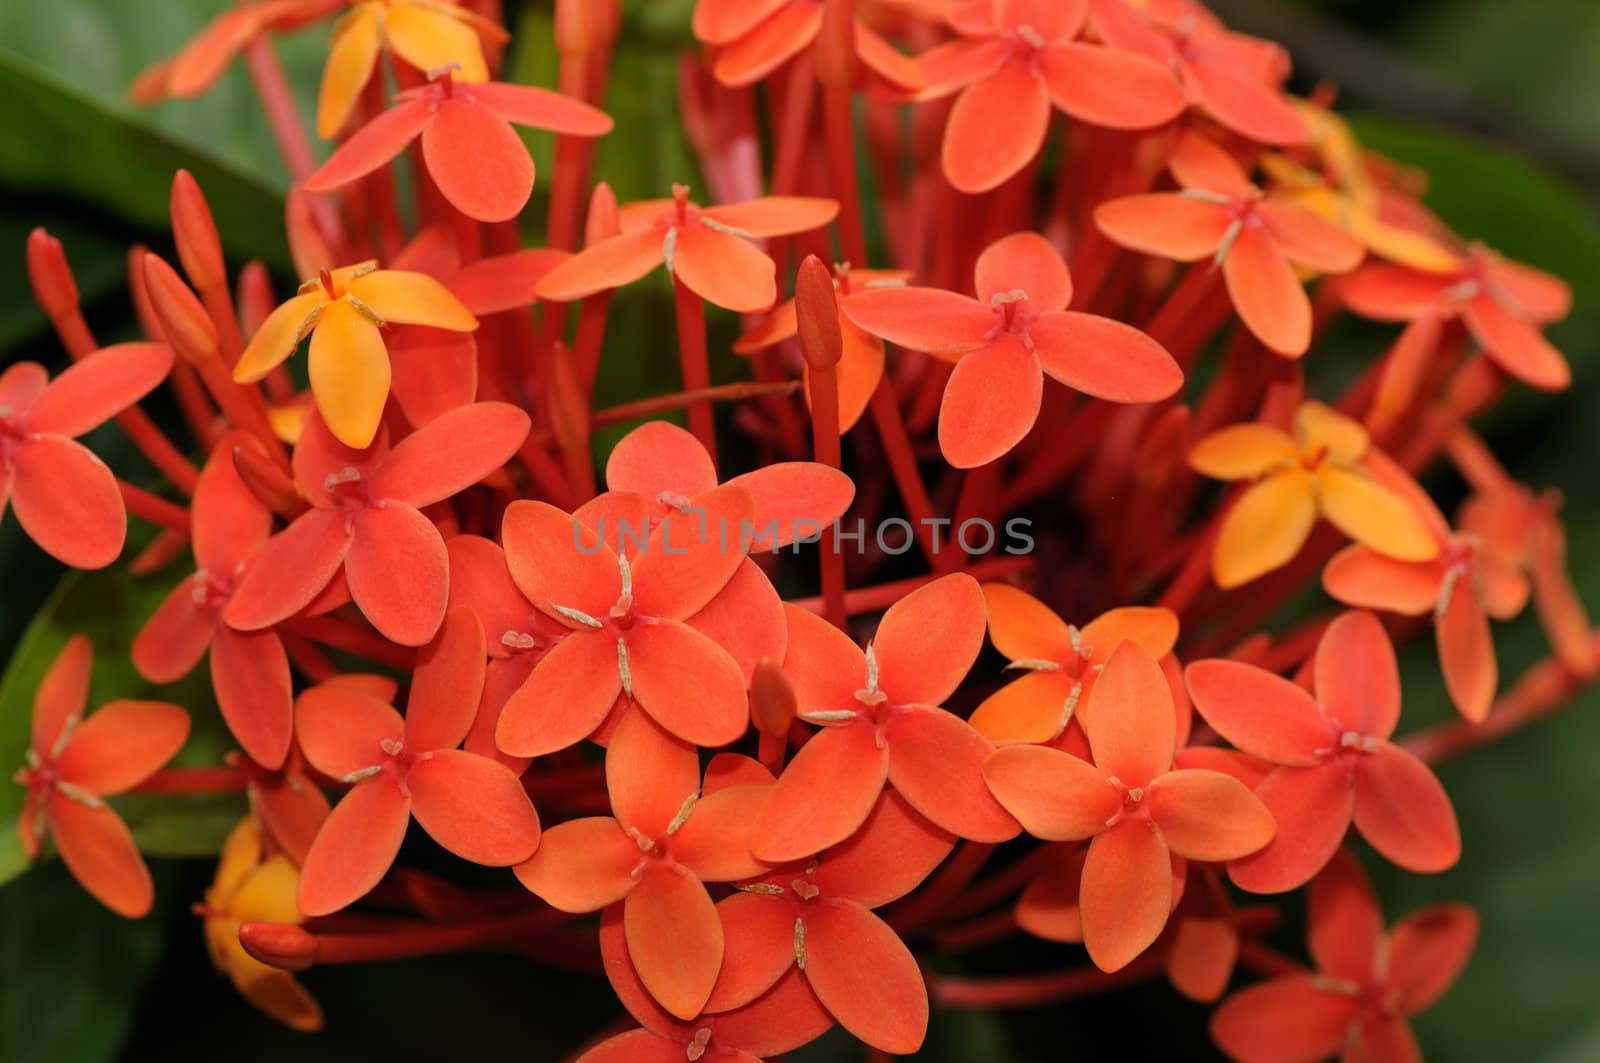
281	945
182	316
53	286
817	315
195	233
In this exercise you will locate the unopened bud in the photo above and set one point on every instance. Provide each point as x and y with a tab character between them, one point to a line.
256	298
267	481
817	315
53	287
281	945
182	316
567	404
307	247
168	545
141	295
194	231
772	700
1474	387
602	222
582	26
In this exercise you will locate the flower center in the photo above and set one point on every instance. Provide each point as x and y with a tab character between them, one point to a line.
1011	316
346	490
1132	801
212	590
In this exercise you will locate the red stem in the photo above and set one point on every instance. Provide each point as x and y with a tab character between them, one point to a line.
1033	990
154	510
691	312
194	781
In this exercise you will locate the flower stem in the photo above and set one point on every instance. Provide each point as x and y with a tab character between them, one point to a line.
194	781
1033	990
678	400
691	312
154	510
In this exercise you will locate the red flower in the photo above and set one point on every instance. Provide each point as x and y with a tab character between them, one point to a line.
1017	329
366	521
473	806
1504	304
478	161
708	249
882	724
66	499
626	619
1368	981
1013	60
753	38
75	763
1336	764
816	917
1136	807
669	837
1220	214
249	670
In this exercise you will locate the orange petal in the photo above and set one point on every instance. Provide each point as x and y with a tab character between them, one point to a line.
446	683
692	686
556	561
1201	959
996	127
473	806
921	319
1373	515
1242	452
229	521
1308	240
1322	428
1153	628
1033	708
1053	794
1165	224
1312	807
692	554
796	495
1104	358
1048	906
953	65
1286	1020
1267	294
724	270
431	38
1357	678
658	456
893	852
504	282
674	938
865	976
774	215
1428	951
528	105
1109	87
936	761
564	700
714	843
1265	529
62	694
990	403
1344	925
1199	162
1365	578
391	539
768	46
899	72
927	641
581	865
611	263
758	932
175	637
1384	291
410	298
352	57
724	21
372	146
479	163
1126	894
250	673
824	795
1245	106
1024	262
746	619
341	731
67	501
97	848
1561	611
650	774
91	391
121	745
1403	812
1516	346
349	368
1022	627
292	569
1133	731
1206	815
1263	714
450	453
355	847
822	664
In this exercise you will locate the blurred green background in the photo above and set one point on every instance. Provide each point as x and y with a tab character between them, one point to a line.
1499	101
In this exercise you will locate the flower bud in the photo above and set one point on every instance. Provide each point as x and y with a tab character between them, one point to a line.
194	231
281	945
817	315
182	316
772	700
148	322
602	221
307	247
267	481
836	45
53	287
256	297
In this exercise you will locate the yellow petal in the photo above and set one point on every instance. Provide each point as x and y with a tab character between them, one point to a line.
267	894
288	422
430	39
1242	452
1402	245
1373	515
240	855
273	991
351	59
1325	433
412	299
349	373
277	338
1265	528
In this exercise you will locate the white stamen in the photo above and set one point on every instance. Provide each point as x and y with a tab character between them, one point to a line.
577	616
669	248
828	716
623	669
683	813
346	475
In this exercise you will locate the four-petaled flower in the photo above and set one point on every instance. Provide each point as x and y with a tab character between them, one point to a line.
1320	470
1137	807
1004	341
344	311
74	763
1335	762
401	768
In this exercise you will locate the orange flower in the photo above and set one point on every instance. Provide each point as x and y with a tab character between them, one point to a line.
1336	764
1367	984
1462	587
1136	807
1320	470
428	35
344	311
75	763
199	64
1504	304
1220	214
861	366
404	768
753	38
882	723
669	836
816	917
708	249
1005	340
1061	662
256	885
1014	60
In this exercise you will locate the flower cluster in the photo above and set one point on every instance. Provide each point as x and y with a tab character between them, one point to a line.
1104	289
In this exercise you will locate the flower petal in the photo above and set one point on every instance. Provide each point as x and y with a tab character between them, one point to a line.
758	932
1024	262
1053	794
1104	358
1427	952
1286	1020
122	744
714	842
724	269
67	501
92	391
798	495
674	939
250	673
479	163
1517	346
996	127
450	453
473	806
581	865
1134	730
1312	807
565	698
1267	294
1126	894
725	21
355	847
431	38
1373	515
397	540
1344	925
1403	812
1357	678
1242	452
1033	708
371	146
599	267
990	403
1109	87
767	46
821	662
446	683
936	761
927	641
556	561
536	108
659	457
866	977
692	554
1263	714
745	618
290	571
499	283
894	852
349	369
407	298
97	848
352	57
1022	627
341	731
1206	815
824	795
1308	240
1165	224
1362	577
1245	106
693	687
651	774
175	637
774	215
229	522
1265	529
921	319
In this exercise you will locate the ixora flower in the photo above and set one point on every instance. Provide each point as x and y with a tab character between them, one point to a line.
479	163
625	617
64	496
1461	588
249	670
1004	341
1320	470
74	764
708	249
1335	762
428	35
754	38
667	837
882	723
198	65
1368	980
816	917
366	521
1060	662
344	311
1013	60
1257	241
410	767
1139	810
255	884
